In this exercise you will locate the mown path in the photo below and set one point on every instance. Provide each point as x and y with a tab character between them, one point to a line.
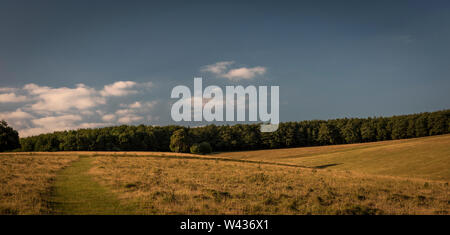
76	192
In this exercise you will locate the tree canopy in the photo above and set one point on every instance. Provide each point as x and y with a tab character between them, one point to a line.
9	138
237	137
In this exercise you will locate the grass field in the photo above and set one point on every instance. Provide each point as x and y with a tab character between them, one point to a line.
26	181
427	158
391	177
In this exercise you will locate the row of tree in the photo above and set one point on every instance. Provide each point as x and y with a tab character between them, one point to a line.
242	136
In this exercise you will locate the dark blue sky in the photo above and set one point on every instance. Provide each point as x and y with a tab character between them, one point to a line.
330	58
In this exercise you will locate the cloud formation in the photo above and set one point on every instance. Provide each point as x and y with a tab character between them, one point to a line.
57	122
244	73
120	88
217	68
222	69
46	109
62	99
108	117
18	114
134	112
12	98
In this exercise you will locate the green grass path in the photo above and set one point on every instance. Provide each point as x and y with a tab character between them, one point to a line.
75	192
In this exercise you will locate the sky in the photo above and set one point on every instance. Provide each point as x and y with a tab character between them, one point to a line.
85	64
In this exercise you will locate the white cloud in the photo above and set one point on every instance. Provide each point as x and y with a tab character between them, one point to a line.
64	99
48	109
222	69
36	89
87	112
244	73
92	125
60	123
123	112
129	119
32	131
18	114
120	88
135	105
17	119
217	68
135	112
57	122
108	117
12	98
49	124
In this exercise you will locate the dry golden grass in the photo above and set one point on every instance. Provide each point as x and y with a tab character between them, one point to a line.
25	181
117	153
391	177
427	157
192	186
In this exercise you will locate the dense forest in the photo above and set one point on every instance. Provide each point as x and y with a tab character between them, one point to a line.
241	136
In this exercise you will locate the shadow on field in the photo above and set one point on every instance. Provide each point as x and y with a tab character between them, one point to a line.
326	165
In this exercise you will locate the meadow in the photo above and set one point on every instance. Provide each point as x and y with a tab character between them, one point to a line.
425	157
26	182
389	177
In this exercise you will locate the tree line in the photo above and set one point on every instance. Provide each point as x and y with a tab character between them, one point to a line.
241	136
